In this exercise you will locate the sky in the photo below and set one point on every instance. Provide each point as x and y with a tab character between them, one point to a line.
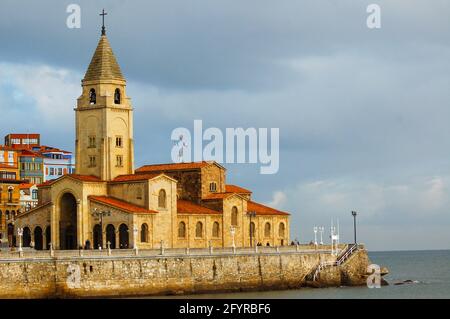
363	113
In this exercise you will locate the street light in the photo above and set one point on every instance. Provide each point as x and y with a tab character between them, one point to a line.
354	224
99	215
232	232
315	235
20	234
321	230
135	233
251	214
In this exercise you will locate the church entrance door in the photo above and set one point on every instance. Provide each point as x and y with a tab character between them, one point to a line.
68	222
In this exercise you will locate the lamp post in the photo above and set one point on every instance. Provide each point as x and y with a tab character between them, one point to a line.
232	232
20	234
100	214
354	224
321	230
250	215
315	235
135	232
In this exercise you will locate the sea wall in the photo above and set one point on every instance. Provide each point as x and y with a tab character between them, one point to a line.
103	276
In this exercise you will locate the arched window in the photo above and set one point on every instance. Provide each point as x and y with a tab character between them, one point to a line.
234	216
267	230
281	229
162	198
92	97
199	230
216	229
182	230
7	215
117	96
144	233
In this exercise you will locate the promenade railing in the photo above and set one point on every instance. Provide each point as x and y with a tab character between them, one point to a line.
28	253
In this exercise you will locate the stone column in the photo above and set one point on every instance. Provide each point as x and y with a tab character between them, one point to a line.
79	224
54	227
117	238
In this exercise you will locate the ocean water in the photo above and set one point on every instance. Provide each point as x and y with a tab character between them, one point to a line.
429	270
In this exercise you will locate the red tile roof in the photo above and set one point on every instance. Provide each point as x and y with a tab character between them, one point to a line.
261	209
172	167
236	189
45	149
135	177
122	205
25	185
218	196
187	207
84	178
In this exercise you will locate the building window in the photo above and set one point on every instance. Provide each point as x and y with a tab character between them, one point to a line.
162	199
60	171
216	229
139	193
234	216
144	233
92	97
10	195
119	141
34	194
92	142
199	230
267	230
92	161
119	160
182	230
212	187
281	230
117	96
52	171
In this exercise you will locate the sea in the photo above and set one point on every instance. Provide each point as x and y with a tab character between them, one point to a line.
412	274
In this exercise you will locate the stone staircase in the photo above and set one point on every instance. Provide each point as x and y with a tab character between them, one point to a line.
342	258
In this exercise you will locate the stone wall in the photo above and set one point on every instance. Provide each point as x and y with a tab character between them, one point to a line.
157	275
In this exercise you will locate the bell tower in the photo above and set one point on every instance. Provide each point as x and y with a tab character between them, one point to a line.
104	118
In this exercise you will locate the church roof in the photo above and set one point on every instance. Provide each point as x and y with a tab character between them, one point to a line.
187	207
83	178
103	64
236	189
173	166
122	205
135	177
261	209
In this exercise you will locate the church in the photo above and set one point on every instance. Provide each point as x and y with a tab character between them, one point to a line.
108	203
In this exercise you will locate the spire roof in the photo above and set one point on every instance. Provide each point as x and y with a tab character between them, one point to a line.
103	64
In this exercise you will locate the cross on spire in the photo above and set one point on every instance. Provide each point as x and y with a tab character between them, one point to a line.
103	21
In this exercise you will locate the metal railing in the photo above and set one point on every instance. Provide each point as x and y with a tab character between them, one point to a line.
27	253
339	261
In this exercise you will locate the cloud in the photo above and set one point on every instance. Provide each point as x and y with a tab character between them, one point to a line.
417	202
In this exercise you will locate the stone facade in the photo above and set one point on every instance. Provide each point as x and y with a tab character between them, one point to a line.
158	275
106	201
